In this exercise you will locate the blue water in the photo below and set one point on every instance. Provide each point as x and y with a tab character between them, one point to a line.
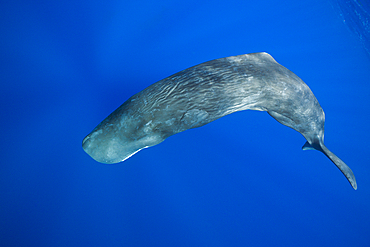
242	180
356	14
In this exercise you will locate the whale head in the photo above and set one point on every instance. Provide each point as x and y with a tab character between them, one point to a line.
119	137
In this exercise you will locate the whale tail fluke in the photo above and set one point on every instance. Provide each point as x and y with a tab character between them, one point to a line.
338	162
308	146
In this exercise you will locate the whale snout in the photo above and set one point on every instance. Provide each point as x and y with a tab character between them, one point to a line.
103	151
111	148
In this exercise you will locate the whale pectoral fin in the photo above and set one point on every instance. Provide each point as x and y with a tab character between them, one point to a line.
307	146
285	120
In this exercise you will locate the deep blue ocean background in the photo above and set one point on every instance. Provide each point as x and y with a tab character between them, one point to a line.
242	180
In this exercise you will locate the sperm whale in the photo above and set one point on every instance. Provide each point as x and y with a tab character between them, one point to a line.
203	93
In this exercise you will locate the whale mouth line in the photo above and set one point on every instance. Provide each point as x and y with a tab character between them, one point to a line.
85	139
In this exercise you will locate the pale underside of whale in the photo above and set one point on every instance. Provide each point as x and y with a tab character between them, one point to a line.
203	93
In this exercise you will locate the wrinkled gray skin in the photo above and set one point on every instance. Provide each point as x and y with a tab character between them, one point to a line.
204	93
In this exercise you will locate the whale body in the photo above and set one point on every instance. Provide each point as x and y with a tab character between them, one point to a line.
201	94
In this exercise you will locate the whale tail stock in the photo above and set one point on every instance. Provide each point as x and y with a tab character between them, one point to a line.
338	162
